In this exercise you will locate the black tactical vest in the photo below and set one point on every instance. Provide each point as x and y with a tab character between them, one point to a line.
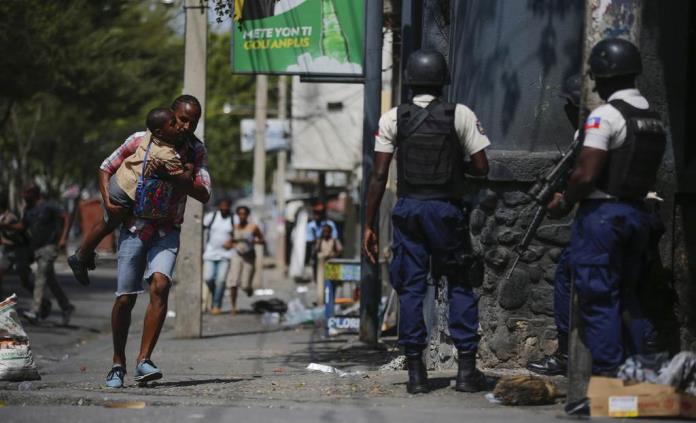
631	170
429	157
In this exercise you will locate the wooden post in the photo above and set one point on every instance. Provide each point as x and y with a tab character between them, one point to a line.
189	266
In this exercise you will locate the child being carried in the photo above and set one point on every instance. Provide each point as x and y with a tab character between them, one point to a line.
158	151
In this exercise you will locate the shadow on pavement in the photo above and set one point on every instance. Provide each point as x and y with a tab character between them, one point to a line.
183	383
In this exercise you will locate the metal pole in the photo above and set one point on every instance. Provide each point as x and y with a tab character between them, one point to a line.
603	18
259	180
280	174
370	284
189	273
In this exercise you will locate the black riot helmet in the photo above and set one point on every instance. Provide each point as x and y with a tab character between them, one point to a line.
615	57
426	68
572	88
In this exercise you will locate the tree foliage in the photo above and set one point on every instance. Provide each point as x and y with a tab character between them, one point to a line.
78	77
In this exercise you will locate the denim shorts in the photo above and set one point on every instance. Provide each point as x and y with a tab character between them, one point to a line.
138	260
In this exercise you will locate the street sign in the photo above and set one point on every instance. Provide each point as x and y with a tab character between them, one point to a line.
300	37
277	134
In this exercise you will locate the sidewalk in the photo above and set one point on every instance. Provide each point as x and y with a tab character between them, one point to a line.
239	369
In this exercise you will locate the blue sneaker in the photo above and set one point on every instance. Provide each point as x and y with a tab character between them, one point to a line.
115	377
146	371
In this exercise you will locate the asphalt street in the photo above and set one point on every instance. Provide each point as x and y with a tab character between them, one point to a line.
240	371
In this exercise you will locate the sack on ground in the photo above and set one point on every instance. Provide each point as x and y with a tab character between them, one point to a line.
16	360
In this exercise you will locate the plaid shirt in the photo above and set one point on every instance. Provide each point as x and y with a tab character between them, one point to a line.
194	151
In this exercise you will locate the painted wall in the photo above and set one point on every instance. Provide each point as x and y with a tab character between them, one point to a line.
508	61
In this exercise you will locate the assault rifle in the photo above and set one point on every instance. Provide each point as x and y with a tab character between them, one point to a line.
542	192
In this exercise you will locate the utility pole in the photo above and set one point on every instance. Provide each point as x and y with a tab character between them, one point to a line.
189	273
370	283
601	17
259	180
280	174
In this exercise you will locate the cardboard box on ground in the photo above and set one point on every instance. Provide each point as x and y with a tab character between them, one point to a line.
611	397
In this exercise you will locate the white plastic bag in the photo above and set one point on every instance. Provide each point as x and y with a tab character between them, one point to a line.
16	360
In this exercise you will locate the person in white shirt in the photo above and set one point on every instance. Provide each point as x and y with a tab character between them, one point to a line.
216	256
436	143
623	146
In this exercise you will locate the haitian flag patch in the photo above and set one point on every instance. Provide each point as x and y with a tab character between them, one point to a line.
593	123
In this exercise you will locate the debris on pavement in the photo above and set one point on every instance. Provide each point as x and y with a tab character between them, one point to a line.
171	313
270	319
524	390
133	405
328	369
263	292
24	386
298	314
399	363
679	372
274	305
490	397
611	397
16	359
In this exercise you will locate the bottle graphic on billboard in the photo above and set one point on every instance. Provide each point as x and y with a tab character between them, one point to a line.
333	42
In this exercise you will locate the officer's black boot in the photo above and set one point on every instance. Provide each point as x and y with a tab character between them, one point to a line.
469	378
417	376
555	364
551	365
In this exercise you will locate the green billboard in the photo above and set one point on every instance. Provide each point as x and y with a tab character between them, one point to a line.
301	37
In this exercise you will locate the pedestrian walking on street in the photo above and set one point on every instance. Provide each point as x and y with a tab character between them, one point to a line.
147	248
14	248
622	151
46	225
326	248
217	253
319	220
243	263
436	144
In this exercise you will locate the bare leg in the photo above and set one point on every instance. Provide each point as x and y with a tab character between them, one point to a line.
120	323
98	232
233	299
154	315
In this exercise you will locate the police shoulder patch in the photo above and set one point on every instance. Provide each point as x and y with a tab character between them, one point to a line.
480	127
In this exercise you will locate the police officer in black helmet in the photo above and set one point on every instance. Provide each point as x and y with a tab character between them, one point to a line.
622	152
436	144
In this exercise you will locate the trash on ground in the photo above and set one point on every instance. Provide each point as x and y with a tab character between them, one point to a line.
643	368
171	313
610	397
16	359
263	292
273	305
133	405
270	319
680	373
399	363
302	289
25	386
524	390
492	399
328	369
297	313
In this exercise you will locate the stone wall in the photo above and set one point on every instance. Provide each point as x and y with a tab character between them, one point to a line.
516	314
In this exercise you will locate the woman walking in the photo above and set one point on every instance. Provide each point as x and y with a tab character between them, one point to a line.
243	264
